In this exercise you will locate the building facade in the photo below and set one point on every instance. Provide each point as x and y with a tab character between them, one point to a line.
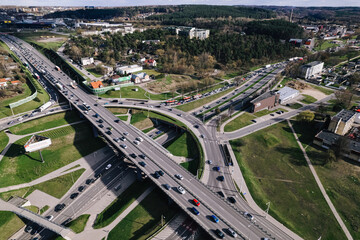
87	61
311	69
286	94
123	70
267	100
342	122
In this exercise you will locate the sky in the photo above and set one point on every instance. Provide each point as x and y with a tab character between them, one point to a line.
110	3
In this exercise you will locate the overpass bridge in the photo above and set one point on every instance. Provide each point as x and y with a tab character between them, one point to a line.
157	158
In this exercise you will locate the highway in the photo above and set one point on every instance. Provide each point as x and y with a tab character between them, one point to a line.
157	159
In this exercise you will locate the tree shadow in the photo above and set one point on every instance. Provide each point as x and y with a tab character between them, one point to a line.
296	156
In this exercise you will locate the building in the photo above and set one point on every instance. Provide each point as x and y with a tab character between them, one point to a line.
342	122
124	70
286	94
311	69
108	70
87	61
151	62
16	82
191	32
326	139
296	42
3	82
151	41
96	85
116	79
140	77
267	100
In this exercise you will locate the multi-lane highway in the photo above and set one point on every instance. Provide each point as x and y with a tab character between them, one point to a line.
157	159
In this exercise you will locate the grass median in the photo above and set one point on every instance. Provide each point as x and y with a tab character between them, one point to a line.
308	99
275	171
129	92
10	223
78	225
241	121
4	139
68	144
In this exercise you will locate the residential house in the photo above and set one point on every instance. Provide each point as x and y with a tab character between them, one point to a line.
87	61
140	77
151	62
96	85
16	82
3	83
342	122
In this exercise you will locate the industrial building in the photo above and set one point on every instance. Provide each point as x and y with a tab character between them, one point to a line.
124	70
342	122
286	94
267	100
311	69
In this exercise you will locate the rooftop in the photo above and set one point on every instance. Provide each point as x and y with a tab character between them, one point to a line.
97	84
333	137
263	96
287	91
345	115
312	64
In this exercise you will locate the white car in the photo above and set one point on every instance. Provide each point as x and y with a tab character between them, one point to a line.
50	217
123	146
178	176
232	232
136	142
108	166
181	190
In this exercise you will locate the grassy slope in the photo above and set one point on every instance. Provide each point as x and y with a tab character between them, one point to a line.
56	187
4	139
68	144
9	224
128	92
276	171
145	219
46	122
79	223
241	121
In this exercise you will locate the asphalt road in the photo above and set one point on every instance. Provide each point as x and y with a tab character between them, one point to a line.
158	158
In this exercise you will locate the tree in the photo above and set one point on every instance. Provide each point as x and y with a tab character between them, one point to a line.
343	99
331	157
341	146
217	111
305	116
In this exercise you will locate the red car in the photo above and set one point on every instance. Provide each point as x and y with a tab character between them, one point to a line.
196	202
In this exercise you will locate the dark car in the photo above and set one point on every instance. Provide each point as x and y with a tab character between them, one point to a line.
216	168
99	174
109	132
59	207
156	175
117	120
219	233
167	186
143	164
142	156
161	173
133	155
81	188
115	101
89	181
28	229
74	195
220	178
100	121
66	221
101	126
195	211
221	193
232	199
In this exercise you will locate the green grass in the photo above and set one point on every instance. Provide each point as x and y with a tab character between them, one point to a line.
46	122
78	225
231	75
78	71
94	72
241	121
285	80
44	209
150	72
266	112
145	219
148	129
55	187
203	101
295	105
308	99
325	45
128	92
124	118
41	98
10	223
120	204
324	90
276	171
33	37
4	139
33	208
118	110
340	179
68	144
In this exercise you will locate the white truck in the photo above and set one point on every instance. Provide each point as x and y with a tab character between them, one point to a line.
59	86
45	106
267	66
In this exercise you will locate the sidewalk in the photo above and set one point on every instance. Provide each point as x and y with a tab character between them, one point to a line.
322	189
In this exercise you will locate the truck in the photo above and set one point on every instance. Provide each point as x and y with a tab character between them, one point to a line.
57	68
45	106
267	66
73	84
36	76
59	86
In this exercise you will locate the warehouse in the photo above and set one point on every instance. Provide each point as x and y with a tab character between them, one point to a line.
286	94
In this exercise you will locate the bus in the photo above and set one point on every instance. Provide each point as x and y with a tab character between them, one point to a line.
57	68
36	76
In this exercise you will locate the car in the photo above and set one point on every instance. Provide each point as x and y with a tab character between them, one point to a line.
126	133
139	139
220	178
133	155
196	126
195	211
221	193
74	195
108	166
123	139
179	114
50	217
178	176
117	140
143	164
160	172
214	218
28	229
123	146
232	199
181	190
167	186
248	215
136	142
86	112
101	126
202	136
100	121
95	104
219	233
115	101
216	168
264	238
117	120
196	202
271	114
97	175
254	121
59	207
109	132
142	156
209	162
81	188
156	175
232	232
66	221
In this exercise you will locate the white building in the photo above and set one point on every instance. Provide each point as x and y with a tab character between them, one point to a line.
129	69
87	61
286	94
311	69
201	33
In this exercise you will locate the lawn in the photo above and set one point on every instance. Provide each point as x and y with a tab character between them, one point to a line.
266	112
46	122
295	105
117	110
43	39
33	208
129	92
124	118
231	75
140	120
276	171
145	219
68	144
203	101
79	223
44	209
4	139
112	211
56	187
10	223
325	45
241	121
94	72
308	99
341	180
324	90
